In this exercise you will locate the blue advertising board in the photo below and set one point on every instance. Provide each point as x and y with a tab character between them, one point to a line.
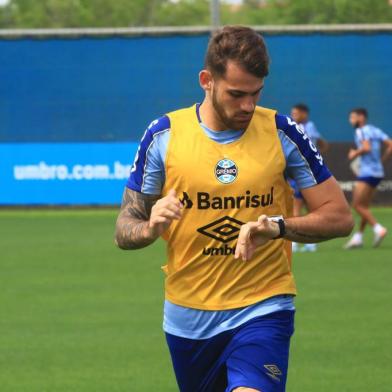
64	173
72	110
110	89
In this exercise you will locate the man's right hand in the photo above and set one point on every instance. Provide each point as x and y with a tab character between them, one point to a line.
163	212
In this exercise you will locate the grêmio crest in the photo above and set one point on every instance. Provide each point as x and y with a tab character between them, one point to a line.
226	171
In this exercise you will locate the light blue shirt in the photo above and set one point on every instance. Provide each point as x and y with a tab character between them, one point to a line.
303	163
150	160
203	324
370	164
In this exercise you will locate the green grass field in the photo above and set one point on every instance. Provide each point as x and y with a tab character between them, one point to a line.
77	314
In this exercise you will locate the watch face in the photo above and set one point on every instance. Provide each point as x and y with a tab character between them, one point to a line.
276	218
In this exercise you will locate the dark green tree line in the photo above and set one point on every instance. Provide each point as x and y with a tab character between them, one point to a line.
124	13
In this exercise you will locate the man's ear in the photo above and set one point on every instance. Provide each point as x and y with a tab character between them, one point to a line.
205	80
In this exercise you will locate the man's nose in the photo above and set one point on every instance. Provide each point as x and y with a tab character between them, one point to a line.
247	105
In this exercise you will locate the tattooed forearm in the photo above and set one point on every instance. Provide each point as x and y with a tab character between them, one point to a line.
132	227
133	235
296	235
316	227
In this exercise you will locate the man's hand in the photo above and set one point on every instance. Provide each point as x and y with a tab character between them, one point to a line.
143	218
364	149
163	212
254	234
352	154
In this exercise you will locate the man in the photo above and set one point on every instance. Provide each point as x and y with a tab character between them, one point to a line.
300	114
368	164
210	179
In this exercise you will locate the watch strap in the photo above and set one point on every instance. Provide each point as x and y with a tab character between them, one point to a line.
281	223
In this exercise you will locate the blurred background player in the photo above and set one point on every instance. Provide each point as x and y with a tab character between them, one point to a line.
300	114
367	164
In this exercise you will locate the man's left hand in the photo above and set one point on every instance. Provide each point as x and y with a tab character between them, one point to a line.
254	234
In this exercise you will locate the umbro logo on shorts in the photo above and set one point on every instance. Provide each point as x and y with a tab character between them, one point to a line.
273	371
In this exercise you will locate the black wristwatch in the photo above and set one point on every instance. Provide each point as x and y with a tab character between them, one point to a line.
281	223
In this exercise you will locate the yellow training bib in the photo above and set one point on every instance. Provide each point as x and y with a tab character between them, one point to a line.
222	187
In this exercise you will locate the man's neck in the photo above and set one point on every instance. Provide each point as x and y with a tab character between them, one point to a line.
209	117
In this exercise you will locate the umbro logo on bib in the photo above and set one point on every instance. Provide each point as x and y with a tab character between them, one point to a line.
225	229
226	171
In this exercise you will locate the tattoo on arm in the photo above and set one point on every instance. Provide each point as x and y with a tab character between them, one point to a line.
132	226
293	234
312	228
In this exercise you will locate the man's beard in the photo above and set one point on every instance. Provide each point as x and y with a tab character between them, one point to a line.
227	121
356	125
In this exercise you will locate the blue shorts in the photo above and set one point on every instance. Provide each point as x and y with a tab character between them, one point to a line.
253	355
372	181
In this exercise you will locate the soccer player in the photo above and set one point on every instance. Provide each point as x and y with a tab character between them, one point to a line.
211	180
300	114
369	170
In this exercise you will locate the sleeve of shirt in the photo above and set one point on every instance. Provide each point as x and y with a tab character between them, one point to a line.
383	135
304	163
148	170
362	134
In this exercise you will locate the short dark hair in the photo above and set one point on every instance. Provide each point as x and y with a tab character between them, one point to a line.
302	107
241	45
361	111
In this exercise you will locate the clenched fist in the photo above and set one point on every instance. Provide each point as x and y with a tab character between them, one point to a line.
163	212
